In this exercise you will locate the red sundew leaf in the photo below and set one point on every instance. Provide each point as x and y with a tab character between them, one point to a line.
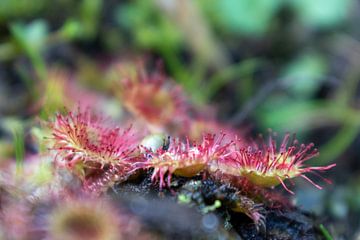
185	159
81	139
152	97
266	165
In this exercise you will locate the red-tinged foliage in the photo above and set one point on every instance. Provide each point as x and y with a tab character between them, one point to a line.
90	149
185	159
81	137
267	165
152	98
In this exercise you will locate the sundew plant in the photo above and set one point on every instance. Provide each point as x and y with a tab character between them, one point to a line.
83	142
179	119
159	141
161	137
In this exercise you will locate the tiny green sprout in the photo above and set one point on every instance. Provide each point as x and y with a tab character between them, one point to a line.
19	148
16	129
184	199
325	232
211	208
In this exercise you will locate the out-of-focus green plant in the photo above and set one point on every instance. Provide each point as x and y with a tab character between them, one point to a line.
34	38
303	77
240	72
254	18
6	150
16	129
321	13
153	31
247	17
10	9
89	17
39	135
150	29
19	147
325	232
31	39
42	174
302	112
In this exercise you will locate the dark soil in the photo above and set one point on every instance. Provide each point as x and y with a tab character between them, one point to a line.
162	213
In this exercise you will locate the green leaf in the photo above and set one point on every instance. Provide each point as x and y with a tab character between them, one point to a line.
89	14
71	29
19	144
249	17
321	13
304	76
31	38
20	8
238	71
338	143
325	232
281	113
148	26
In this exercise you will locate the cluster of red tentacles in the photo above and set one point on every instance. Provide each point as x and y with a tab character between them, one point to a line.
95	152
151	97
81	141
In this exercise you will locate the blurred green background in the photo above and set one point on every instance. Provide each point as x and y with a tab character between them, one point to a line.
288	65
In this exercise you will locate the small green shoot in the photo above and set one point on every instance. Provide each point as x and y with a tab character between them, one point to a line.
325	232
19	144
183	199
212	208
